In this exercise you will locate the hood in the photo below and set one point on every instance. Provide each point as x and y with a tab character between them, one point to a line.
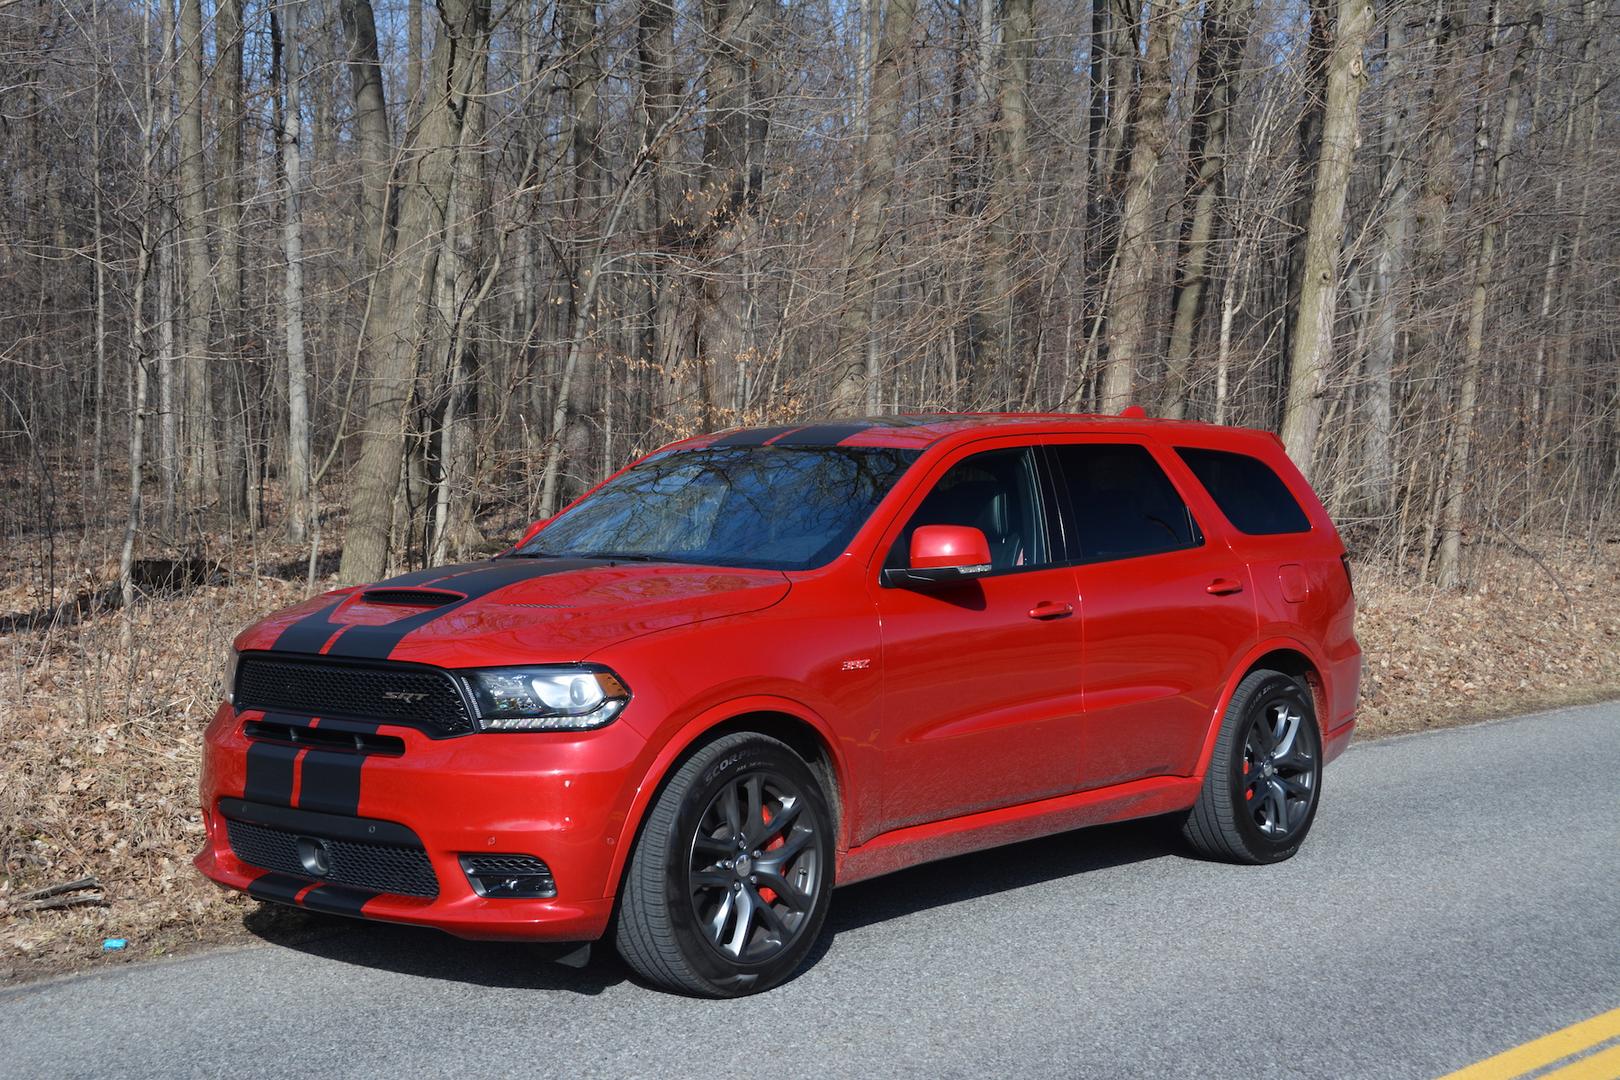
512	611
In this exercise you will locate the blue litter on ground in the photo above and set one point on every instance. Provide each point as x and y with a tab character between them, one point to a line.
113	944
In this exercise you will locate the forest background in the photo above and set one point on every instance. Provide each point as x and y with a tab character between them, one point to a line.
311	289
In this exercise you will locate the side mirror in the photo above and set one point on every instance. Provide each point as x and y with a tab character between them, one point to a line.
941	554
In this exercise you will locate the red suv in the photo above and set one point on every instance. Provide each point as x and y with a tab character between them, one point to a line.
756	664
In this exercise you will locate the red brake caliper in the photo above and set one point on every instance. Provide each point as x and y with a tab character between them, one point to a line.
768	894
1248	792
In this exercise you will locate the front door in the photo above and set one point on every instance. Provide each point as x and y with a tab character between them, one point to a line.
981	678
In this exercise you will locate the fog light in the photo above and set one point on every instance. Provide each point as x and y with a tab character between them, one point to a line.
509	877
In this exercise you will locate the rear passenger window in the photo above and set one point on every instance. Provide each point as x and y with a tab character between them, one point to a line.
1123	503
1252	497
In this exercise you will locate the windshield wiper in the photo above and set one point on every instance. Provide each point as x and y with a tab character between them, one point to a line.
535	555
619	556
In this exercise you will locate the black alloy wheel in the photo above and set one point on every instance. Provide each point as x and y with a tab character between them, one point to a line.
1264	781
754	867
731	877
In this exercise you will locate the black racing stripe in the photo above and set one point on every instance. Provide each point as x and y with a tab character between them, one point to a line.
753	436
824	434
270	773
338	899
330	779
282	888
309	633
378	642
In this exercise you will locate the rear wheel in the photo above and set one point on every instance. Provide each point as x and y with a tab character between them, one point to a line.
1265	777
730	880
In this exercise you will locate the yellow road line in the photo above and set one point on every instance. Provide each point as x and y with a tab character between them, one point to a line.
1603	1065
1539	1053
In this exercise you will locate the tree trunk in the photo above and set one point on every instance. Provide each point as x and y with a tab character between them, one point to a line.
374	143
1490	170
1377	477
1127	311
395	329
1312	349
296	480
880	154
200	478
231	386
1220	59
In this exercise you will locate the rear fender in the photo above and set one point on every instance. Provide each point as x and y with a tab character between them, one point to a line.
1270	645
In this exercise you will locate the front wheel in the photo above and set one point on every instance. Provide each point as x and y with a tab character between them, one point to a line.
729	883
1265	777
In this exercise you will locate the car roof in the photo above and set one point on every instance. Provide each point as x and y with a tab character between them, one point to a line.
919	430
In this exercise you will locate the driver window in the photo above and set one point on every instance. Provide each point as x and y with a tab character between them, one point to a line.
995	492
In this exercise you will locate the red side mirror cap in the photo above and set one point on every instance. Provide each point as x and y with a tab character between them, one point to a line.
958	547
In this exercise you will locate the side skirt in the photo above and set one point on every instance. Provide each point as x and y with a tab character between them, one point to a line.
918	844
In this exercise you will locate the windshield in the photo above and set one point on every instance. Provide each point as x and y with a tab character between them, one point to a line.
771	508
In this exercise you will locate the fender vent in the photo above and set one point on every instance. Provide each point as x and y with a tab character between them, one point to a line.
422	598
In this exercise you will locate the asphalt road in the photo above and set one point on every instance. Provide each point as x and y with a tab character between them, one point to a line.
1460	895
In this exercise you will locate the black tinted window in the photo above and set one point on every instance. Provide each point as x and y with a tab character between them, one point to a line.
995	492
769	507
1123	503
1252	497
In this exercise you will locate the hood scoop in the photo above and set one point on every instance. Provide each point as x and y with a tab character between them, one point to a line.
415	598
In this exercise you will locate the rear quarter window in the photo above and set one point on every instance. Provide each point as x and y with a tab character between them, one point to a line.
1249	493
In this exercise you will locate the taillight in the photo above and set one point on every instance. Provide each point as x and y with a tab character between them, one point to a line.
1348	575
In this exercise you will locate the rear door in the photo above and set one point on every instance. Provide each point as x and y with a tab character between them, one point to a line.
981	699
1277	526
1164	602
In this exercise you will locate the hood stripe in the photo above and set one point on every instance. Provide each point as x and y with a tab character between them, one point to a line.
316	633
378	642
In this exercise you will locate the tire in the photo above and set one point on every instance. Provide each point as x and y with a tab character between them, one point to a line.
1265	778
693	879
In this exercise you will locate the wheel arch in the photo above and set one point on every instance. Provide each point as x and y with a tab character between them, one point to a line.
1287	655
787	721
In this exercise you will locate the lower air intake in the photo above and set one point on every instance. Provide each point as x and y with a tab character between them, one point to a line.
383	868
509	877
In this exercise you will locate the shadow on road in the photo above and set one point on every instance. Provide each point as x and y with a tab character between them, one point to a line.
430	954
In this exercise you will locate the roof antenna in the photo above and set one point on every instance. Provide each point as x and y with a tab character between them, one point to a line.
1133	412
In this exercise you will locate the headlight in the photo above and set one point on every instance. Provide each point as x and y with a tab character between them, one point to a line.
231	656
545	698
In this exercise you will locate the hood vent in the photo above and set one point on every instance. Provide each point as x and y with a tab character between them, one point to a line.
417	598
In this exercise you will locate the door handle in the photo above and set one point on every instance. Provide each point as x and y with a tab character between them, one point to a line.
1224	586
1051	609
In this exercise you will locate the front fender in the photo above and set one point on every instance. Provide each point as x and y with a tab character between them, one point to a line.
695	731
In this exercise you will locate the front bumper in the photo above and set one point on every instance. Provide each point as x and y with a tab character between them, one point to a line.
560	796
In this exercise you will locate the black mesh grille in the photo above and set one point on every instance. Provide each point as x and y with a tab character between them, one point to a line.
378	867
418	696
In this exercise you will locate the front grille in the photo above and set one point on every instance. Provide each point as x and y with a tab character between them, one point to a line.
384	868
422	697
